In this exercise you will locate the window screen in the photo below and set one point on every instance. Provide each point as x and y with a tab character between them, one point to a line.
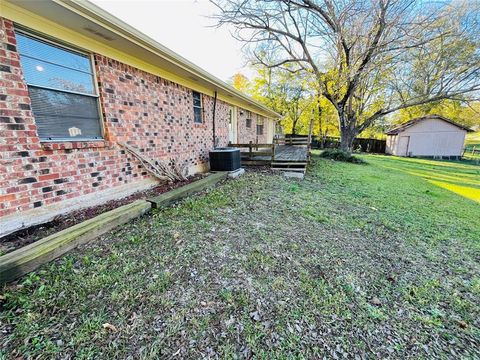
61	86
197	107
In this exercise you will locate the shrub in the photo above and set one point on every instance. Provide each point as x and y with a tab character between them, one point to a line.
340	155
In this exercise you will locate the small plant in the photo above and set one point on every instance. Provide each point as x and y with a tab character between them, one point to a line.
340	155
294	188
226	295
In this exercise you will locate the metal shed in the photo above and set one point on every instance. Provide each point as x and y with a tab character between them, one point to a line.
429	136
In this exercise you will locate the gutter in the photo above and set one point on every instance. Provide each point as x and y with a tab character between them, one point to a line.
104	19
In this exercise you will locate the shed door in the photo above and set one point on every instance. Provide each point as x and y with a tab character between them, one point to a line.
403	143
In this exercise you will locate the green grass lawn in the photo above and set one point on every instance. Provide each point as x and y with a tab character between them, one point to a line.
370	261
472	140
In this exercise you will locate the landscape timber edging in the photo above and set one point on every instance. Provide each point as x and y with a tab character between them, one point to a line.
169	197
28	258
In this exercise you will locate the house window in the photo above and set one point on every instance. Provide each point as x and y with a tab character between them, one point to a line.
260	126
249	119
62	90
197	107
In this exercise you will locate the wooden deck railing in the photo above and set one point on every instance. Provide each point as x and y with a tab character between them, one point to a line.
291	141
256	154
264	154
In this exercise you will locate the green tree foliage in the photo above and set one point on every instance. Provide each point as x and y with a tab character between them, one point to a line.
369	59
467	114
240	82
291	96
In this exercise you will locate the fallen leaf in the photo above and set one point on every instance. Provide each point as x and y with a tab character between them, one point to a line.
267	324
376	301
110	327
255	316
230	321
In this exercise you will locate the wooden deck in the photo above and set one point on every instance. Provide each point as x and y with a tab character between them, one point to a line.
282	156
291	158
281	153
291	153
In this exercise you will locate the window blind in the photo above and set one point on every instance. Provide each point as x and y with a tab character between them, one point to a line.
62	89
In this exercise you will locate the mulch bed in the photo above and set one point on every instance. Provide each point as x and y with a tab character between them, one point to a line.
27	236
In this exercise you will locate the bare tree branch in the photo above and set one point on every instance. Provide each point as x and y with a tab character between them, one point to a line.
369	58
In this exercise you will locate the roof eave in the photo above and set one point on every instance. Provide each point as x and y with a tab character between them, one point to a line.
407	124
104	18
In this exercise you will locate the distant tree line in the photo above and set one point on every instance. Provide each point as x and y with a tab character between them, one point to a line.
361	64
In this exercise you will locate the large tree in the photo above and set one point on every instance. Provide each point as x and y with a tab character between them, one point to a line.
369	58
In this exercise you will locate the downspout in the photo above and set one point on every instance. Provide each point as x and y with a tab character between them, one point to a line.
214	111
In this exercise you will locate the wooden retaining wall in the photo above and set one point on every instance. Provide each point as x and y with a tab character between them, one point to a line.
28	258
189	189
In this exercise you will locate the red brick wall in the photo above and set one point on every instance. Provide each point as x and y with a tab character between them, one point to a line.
19	145
156	115
262	139
245	134
146	111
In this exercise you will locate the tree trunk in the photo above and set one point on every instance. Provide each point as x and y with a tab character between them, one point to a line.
346	139
321	136
347	131
294	125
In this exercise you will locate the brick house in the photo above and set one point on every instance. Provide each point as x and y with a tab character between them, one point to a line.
74	83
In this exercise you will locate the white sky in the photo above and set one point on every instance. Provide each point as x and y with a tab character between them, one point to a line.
182	26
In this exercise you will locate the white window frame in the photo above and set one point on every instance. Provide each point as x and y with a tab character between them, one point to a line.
197	107
58	43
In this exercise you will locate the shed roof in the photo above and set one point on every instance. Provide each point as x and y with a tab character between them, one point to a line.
412	122
115	38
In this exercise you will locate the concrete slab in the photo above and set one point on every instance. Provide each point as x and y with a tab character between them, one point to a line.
43	214
294	175
236	173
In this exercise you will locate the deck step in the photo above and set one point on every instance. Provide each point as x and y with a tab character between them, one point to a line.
290	169
275	163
